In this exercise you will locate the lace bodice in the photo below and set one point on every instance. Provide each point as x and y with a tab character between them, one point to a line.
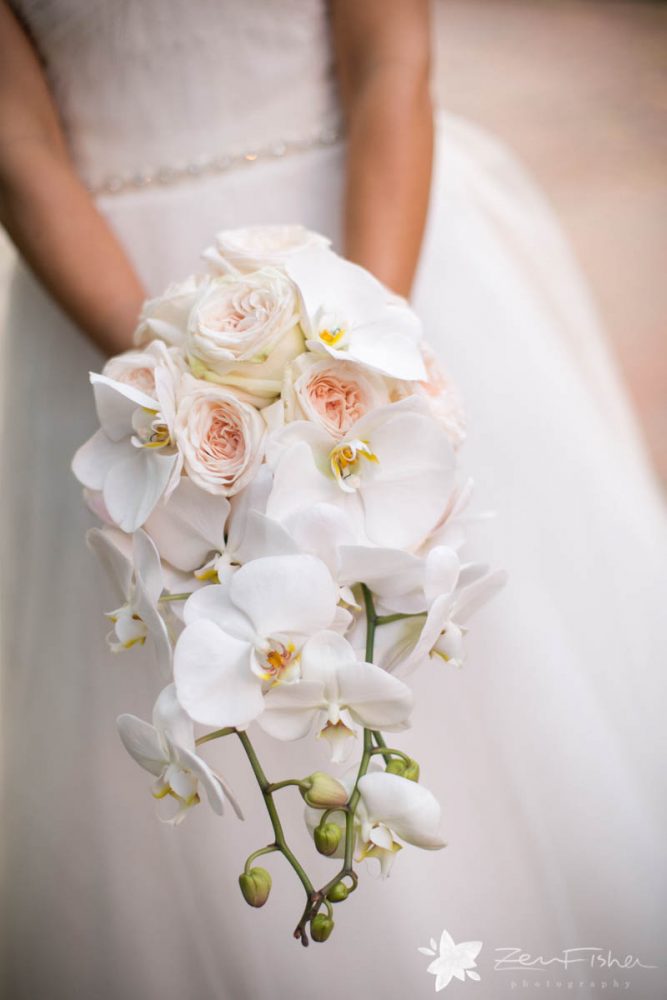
151	89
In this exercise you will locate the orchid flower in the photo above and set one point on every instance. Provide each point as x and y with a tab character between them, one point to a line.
135	571
391	809
246	635
350	315
166	750
392	474
334	692
132	458
403	646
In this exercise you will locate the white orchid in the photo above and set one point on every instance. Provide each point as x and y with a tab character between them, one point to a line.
167	750
133	566
246	635
350	315
132	459
391	809
405	645
335	691
392	474
189	526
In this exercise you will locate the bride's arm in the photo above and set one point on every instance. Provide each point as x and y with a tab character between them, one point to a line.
46	209
383	58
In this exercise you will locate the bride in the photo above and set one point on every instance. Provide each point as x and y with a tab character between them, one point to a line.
129	133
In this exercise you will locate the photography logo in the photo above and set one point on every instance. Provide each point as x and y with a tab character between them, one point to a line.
452	961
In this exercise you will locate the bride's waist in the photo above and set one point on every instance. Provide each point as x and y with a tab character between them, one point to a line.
109	167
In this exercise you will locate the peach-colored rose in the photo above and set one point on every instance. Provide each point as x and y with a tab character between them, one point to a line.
137	368
220	437
331	393
442	395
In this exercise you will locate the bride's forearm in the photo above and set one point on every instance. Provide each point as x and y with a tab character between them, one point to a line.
69	247
47	211
383	53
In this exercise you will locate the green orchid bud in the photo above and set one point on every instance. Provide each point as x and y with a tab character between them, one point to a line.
321	927
404	768
322	791
255	886
338	892
327	838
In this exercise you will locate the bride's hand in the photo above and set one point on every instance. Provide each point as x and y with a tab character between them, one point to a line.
383	58
46	209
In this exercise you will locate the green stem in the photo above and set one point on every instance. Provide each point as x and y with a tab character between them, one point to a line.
270	849
275	786
265	788
389	752
176	597
216	735
398	617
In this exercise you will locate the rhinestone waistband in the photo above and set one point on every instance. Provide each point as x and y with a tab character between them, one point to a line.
205	165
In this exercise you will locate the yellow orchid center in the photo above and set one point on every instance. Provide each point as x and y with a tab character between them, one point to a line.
151	429
345	461
333	336
278	661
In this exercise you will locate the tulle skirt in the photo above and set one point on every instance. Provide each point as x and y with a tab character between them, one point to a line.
545	750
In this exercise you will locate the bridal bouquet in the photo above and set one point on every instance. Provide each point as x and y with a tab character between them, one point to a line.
275	473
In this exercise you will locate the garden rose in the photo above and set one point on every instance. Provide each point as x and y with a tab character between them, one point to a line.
220	437
443	397
244	329
166	317
331	393
137	368
254	247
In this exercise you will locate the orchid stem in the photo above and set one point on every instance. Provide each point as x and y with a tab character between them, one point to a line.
381	746
398	617
280	843
389	752
269	849
176	597
216	735
275	786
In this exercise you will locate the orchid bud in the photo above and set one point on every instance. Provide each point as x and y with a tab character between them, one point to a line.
338	892
321	927
404	768
321	791
327	838
255	886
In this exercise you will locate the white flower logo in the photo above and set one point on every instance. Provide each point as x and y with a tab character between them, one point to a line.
454	961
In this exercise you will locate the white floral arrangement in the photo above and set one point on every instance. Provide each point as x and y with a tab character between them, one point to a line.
276	475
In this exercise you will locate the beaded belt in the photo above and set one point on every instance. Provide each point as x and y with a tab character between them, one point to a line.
211	165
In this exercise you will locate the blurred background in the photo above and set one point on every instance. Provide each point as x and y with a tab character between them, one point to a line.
578	88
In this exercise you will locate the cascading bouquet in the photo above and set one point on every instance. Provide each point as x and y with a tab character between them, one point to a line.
276	474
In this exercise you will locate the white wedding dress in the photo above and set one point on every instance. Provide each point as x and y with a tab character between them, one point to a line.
545	750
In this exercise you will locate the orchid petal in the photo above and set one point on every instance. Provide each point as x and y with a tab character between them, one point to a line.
134	485
212	603
408	808
282	594
103	542
115	403
95	457
143	743
213	678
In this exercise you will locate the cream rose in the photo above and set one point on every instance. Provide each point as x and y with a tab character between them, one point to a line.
331	393
244	329
219	436
137	368
166	317
249	249
441	394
